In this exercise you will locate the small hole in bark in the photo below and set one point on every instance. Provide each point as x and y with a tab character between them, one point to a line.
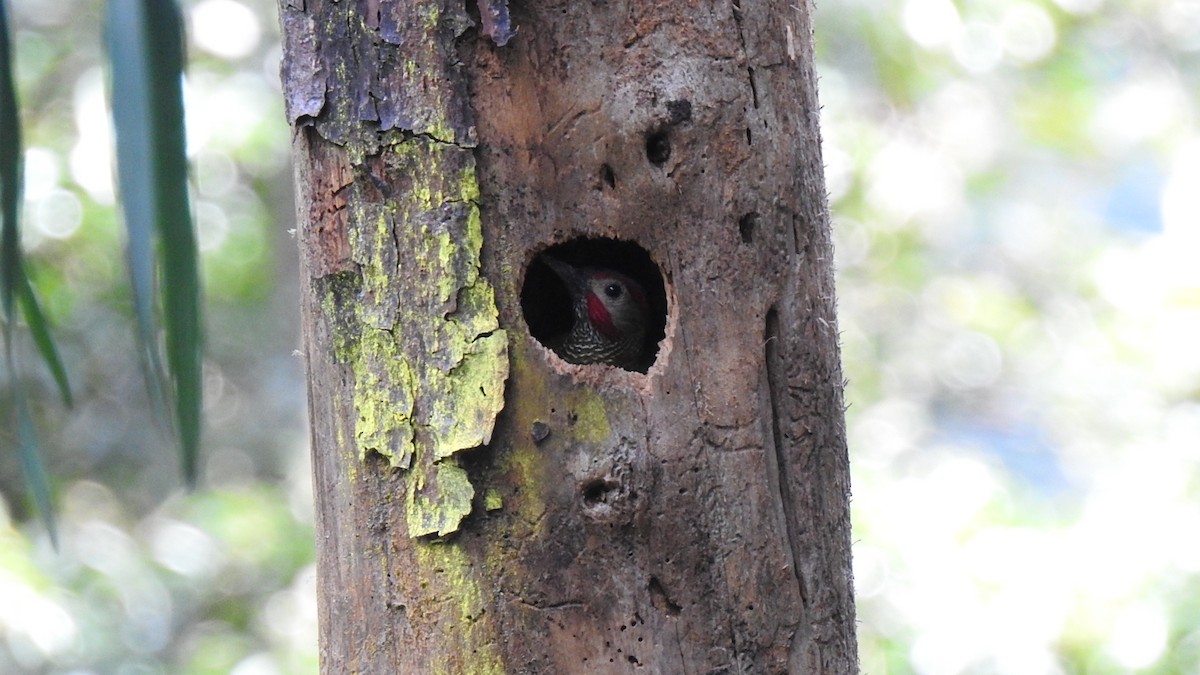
746	226
679	111
749	137
549	305
596	490
607	175
658	147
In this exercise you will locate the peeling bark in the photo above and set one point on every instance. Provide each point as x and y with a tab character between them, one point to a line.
484	507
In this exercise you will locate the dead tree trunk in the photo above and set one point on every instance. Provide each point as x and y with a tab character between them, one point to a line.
485	507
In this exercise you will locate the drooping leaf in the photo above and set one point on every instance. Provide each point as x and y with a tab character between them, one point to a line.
39	328
14	285
10	178
31	461
145	45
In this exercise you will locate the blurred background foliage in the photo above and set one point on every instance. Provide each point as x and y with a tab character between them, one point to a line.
1015	190
150	578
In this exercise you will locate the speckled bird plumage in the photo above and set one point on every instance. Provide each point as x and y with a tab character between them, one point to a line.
610	316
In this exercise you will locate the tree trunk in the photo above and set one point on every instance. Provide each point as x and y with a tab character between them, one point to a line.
485	507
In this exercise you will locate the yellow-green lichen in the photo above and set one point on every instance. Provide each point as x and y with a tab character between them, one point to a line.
591	424
492	500
467	416
526	468
375	251
438	499
524	462
471	637
429	17
445	249
429	360
383	399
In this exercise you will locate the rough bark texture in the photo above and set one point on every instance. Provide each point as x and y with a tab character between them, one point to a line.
484	507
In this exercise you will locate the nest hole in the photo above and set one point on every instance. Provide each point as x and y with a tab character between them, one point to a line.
547	306
597	490
658	147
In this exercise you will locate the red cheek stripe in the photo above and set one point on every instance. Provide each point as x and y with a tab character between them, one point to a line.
599	316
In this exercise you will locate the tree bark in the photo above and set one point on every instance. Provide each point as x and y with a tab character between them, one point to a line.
484	507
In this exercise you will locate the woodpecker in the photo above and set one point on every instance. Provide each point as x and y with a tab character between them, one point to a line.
610	316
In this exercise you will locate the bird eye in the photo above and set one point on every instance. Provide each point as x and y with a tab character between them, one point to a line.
613	290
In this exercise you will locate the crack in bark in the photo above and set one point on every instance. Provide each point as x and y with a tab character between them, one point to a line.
777	388
409	134
571	117
738	18
564	604
660	599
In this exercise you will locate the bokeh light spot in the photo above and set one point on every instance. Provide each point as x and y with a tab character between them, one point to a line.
1027	33
226	28
931	23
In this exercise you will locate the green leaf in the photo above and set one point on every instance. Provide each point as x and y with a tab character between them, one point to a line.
40	329
31	461
145	45
15	284
10	178
13	279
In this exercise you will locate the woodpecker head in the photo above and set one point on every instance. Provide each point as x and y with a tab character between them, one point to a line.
610	316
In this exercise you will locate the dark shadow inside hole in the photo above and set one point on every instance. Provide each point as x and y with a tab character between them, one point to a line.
658	147
679	111
746	226
596	490
546	304
607	175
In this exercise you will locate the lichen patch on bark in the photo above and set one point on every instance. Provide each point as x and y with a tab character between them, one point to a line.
417	326
430	359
